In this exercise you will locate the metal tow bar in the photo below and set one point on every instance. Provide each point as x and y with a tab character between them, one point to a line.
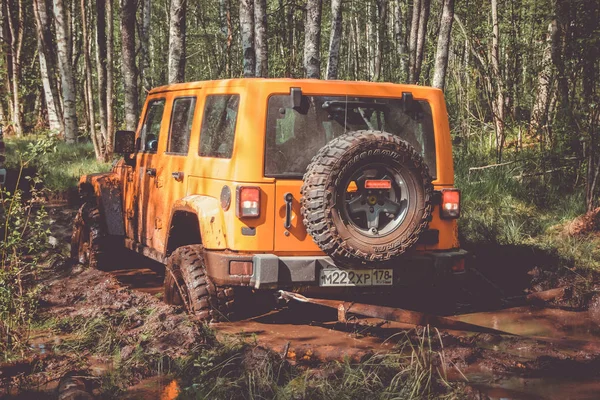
392	314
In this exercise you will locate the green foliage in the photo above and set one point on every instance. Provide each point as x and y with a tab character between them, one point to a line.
24	234
60	165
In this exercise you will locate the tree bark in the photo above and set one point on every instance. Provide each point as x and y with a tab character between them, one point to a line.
47	65
177	25
89	95
66	72
412	44
145	45
128	67
400	40
539	113
16	45
335	39
247	32
101	56
312	39
110	116
421	38
498	101
443	45
382	10
260	38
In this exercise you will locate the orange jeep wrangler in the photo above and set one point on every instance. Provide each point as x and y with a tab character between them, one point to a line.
278	183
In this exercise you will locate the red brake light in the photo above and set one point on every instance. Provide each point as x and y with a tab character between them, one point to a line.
450	203
378	184
248	202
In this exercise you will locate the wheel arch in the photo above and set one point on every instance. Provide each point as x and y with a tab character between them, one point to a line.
196	219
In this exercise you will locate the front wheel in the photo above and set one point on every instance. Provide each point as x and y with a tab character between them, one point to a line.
188	285
87	238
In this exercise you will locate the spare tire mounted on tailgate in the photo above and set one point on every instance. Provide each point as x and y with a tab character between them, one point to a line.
366	197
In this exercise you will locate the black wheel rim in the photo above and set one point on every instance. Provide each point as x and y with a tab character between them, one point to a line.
375	212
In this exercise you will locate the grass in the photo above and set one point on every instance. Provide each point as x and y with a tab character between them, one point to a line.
500	207
61	167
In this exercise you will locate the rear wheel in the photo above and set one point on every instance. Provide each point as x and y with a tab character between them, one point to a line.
188	285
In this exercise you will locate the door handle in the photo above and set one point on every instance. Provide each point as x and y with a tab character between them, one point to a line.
151	171
288	197
178	176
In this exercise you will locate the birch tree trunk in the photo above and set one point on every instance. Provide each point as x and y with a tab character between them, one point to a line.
177	23
443	45
412	43
400	40
145	45
47	65
128	67
16	45
260	38
103	100
334	39
110	116
421	38
382	10
539	113
66	72
88	84
247	33
312	39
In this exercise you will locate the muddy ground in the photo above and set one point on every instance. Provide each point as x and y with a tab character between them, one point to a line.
551	351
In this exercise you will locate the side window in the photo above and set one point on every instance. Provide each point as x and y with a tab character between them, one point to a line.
151	127
218	125
181	124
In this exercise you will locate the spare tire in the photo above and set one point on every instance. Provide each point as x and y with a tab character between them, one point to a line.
366	197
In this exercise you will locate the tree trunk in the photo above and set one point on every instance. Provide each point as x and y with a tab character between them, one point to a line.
443	45
16	44
128	67
47	65
260	38
177	23
421	38
89	95
110	112
247	32
498	101
145	45
400	40
312	39
539	113
335	39
66	72
101	55
382	10
412	44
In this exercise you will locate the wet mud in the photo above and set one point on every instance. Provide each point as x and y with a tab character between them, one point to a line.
553	354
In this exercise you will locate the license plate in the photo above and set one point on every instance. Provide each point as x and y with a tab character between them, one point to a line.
356	277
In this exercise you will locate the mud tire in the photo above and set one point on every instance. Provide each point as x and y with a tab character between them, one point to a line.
89	240
187	284
322	188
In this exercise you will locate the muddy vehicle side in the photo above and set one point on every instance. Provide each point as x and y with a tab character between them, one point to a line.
214	176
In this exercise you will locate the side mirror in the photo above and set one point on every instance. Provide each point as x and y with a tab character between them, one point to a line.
2	176
124	142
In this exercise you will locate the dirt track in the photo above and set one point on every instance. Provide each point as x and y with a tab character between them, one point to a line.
562	361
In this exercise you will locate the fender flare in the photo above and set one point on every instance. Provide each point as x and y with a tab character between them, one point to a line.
210	219
104	190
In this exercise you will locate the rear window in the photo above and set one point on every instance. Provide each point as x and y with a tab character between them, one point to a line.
296	134
218	125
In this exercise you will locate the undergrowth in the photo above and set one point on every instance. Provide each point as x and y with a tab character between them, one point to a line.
61	165
519	203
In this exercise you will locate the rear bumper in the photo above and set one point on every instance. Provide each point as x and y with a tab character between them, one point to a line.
274	272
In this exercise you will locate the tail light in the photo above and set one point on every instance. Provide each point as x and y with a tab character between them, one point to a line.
450	204
248	202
